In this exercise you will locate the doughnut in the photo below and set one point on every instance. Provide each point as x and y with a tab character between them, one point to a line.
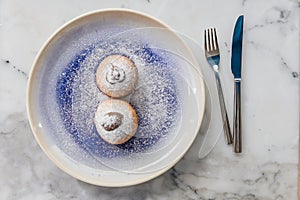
116	121
116	76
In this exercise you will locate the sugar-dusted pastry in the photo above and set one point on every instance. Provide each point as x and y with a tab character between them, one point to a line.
116	76
116	121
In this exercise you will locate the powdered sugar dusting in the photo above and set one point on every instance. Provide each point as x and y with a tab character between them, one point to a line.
116	76
126	126
154	99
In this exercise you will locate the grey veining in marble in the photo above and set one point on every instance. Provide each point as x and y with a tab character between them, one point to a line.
266	170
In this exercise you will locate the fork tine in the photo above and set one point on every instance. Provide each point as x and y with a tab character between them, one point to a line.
205	40
212	40
216	39
209	40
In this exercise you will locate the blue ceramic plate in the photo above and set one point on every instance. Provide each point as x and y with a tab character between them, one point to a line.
63	97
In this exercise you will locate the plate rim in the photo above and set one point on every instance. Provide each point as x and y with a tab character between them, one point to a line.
37	135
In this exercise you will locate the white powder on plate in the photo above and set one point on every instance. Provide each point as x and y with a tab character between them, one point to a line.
154	99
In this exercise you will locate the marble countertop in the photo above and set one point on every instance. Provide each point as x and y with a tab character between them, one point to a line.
267	168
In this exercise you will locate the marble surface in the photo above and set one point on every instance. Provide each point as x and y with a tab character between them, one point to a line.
267	169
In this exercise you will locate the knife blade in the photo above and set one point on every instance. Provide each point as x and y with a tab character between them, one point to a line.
236	68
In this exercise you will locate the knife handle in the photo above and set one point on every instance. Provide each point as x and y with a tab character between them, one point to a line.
226	126
237	132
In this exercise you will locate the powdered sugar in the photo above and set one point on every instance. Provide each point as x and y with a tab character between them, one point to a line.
122	117
116	76
154	99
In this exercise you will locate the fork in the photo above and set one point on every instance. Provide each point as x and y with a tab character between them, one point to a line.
212	54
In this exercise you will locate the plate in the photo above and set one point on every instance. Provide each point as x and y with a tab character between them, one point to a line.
62	97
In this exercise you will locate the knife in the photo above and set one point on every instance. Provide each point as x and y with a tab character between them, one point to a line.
236	68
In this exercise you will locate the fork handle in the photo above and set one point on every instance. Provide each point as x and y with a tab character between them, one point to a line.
237	133
226	126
